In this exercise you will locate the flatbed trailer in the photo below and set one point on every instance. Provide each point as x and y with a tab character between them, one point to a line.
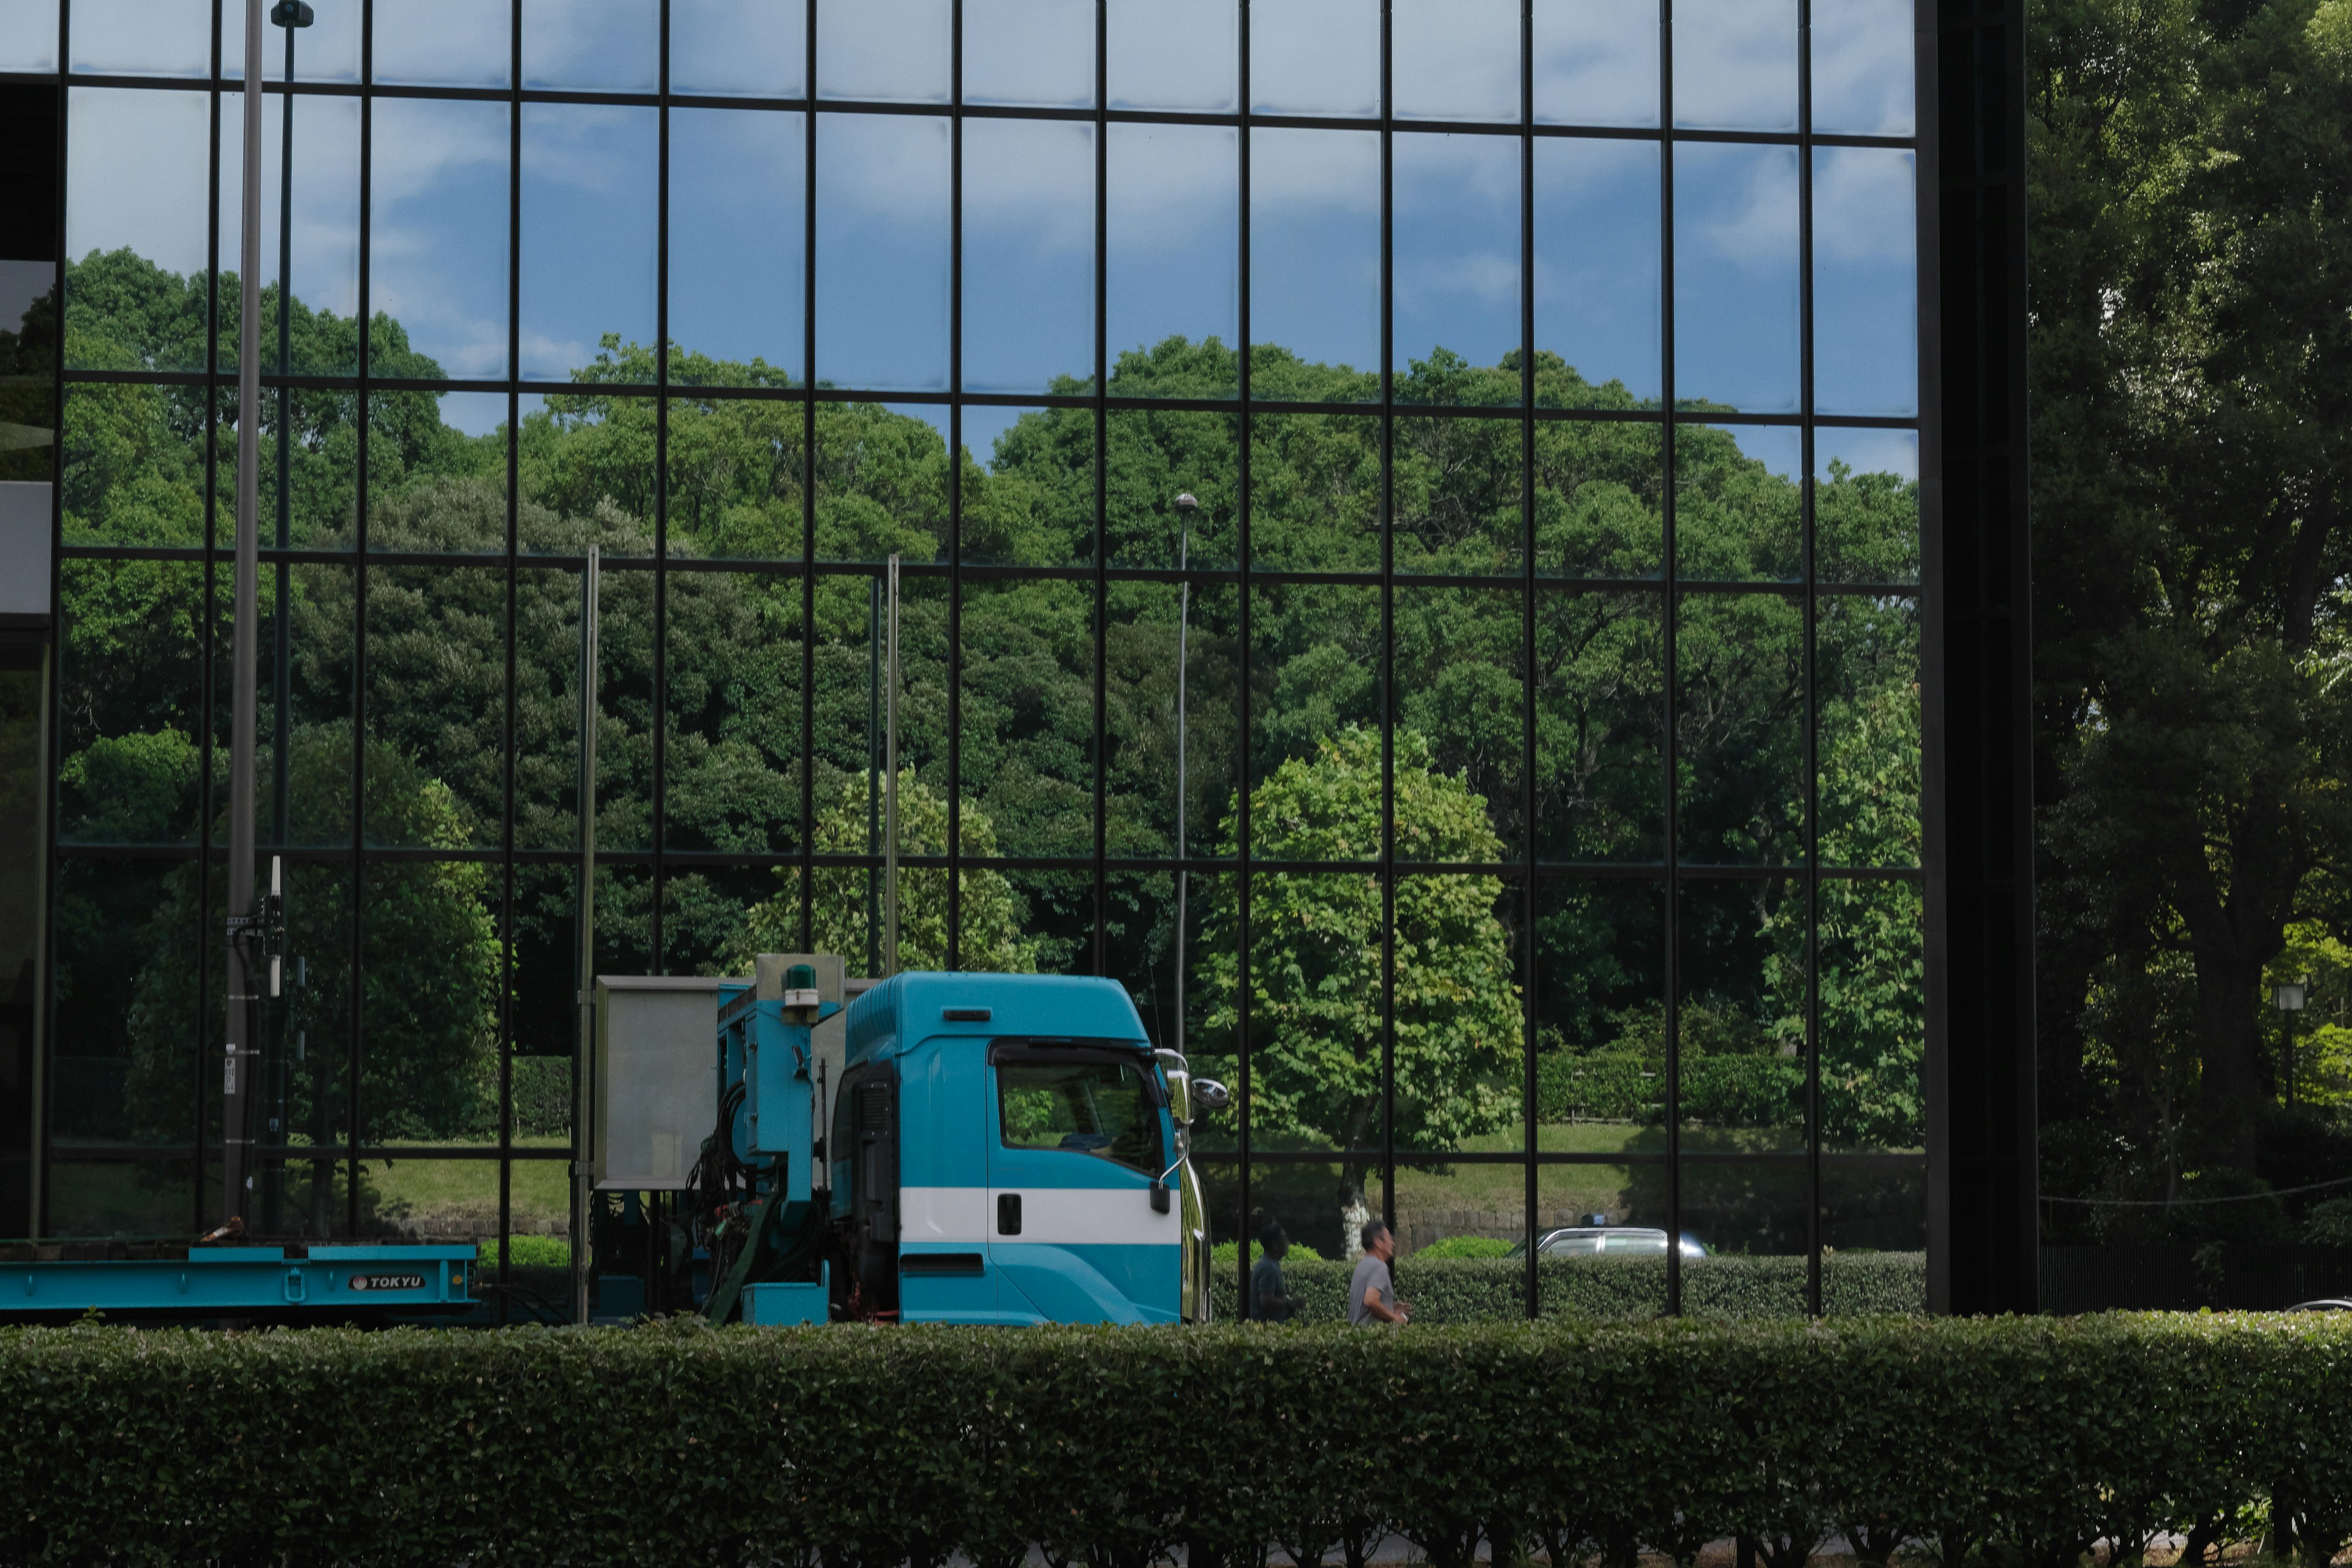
292	1282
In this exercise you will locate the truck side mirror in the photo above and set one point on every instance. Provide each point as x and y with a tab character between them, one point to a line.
1208	1094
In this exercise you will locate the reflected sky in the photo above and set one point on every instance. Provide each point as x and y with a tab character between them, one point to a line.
882	252
1174	231
1893	452
590	254
1314	238
142	37
1316	56
29	41
439	231
1455	59
737	217
1029	52
606	45
1865	281
1863	79
135	175
1597	272
1736	265
1736	65
1028	253
888	51
326	50
475	413
726	47
1457	247
1171	54
1596	63
445	43
325	234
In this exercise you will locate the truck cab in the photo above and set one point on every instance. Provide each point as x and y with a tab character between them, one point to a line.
1007	1148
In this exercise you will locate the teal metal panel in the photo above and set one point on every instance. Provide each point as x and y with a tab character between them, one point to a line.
215	1279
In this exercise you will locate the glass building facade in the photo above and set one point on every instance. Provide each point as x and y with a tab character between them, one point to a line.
1511	409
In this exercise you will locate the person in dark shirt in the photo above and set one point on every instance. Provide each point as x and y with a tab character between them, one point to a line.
1270	1296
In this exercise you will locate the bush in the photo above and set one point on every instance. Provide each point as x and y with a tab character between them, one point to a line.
525	1251
1494	1290
1466	1247
2007	1441
1227	1253
1620	1085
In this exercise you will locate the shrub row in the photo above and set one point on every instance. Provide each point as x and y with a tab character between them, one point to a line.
1622	1086
1494	1290
2013	1441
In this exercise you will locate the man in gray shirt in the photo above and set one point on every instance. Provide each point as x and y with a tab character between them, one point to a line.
1371	1295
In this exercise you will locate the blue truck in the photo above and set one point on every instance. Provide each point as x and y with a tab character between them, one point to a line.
976	1149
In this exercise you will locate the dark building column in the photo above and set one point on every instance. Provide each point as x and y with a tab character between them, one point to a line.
1982	1232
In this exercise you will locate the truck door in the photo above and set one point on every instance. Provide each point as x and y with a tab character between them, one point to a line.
1079	1135
864	1153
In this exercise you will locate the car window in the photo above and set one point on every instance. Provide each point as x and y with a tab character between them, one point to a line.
1573	1246
1103	1109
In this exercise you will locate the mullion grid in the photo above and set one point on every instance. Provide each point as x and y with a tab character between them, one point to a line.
1520	869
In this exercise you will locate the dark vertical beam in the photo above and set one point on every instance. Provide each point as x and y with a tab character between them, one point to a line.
1982	1236
1810	703
953	958
204	792
1244	434
1527	636
657	957
1100	587
1672	946
360	502
808	491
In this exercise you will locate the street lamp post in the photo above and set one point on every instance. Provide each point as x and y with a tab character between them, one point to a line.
1185	507
2289	997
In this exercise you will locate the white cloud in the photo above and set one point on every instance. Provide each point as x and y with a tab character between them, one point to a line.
1315	57
1456	59
1863	80
1747	211
893	51
1172	54
1029	52
135	175
1596	63
1736	64
143	38
1864	205
443	43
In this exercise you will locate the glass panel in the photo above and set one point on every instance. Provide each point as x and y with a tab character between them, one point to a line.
1096	1109
1739	717
1292	1249
1144	775
888	51
1867	661
436	704
1874	1029
1599	492
1600	727
443	43
133	466
737	49
1866	506
610	46
1316	56
315	446
586	465
1460	705
1736	292
1736	65
738	259
882	484
1029	52
1584	1270
438	239
135	192
1457	495
1028	485
1459	1027
1156	455
1048	925
1596	63
1865	281
430	1201
1028	255
29	42
129	949
545	1019
882	255
1315	1017
143	38
327	48
1315	492
306	1070
1314	277
1873	1238
1028	714
547	711
120	1197
591	243
1751	1220
1741	1023
1456	232
735	479
129	700
1456	59
1174	235
706	914
1172	54
1863	81
1738	509
1318	755
1597	274
304	734
1140	937
320	331
1599	1042
438	472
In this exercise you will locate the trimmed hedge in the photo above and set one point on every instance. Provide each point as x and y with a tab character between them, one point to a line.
1494	1290
2009	1441
1620	1085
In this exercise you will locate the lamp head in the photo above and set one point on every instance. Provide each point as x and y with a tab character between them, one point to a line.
291	13
1185	502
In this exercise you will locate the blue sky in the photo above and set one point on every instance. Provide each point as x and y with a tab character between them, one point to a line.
589	177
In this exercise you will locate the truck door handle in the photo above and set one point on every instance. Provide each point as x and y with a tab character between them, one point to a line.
1008	1214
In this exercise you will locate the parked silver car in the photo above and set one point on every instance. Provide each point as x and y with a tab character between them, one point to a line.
1608	1241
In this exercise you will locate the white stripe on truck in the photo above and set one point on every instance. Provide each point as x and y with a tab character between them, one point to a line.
1057	1216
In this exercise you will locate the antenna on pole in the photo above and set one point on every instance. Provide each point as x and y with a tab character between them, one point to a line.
244	924
890	790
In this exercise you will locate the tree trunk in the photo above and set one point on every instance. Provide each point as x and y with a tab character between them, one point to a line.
2234	1086
1354	1214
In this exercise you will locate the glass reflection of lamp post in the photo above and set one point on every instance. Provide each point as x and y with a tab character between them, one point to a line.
293	15
2289	998
1185	507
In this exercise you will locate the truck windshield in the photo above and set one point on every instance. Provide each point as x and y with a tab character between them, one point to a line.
1081	1106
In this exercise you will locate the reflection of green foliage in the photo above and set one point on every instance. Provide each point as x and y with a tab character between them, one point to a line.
990	918
1316	1039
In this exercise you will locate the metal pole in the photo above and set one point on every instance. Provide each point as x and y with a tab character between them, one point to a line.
1184	505
292	18
583	1101
237	1048
873	772
890	791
